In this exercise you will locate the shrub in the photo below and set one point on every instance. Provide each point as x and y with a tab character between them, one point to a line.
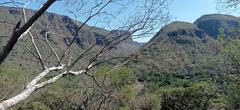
195	97
233	96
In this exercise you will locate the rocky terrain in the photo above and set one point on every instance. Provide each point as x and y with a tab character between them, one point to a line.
211	24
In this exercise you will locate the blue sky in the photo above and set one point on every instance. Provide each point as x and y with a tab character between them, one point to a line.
181	10
190	10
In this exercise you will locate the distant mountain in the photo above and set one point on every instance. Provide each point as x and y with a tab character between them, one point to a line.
179	48
63	29
212	22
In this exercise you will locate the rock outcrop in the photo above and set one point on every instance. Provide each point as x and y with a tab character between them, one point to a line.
213	22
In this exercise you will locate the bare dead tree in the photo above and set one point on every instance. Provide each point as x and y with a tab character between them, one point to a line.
149	17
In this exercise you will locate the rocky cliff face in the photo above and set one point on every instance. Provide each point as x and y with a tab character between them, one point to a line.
211	24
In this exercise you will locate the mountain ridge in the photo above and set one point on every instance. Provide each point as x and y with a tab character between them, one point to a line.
181	48
62	29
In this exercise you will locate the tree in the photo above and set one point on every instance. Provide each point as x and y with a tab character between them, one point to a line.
221	35
228	6
149	15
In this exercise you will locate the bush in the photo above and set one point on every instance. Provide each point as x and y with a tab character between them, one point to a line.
148	102
195	97
233	97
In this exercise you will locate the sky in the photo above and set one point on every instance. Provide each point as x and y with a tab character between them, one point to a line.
183	10
180	10
190	10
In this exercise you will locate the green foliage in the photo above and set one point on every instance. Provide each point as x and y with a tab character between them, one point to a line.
122	76
34	106
103	71
170	80
221	35
194	97
12	80
11	72
152	102
125	108
127	93
53	101
118	76
233	96
230	48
